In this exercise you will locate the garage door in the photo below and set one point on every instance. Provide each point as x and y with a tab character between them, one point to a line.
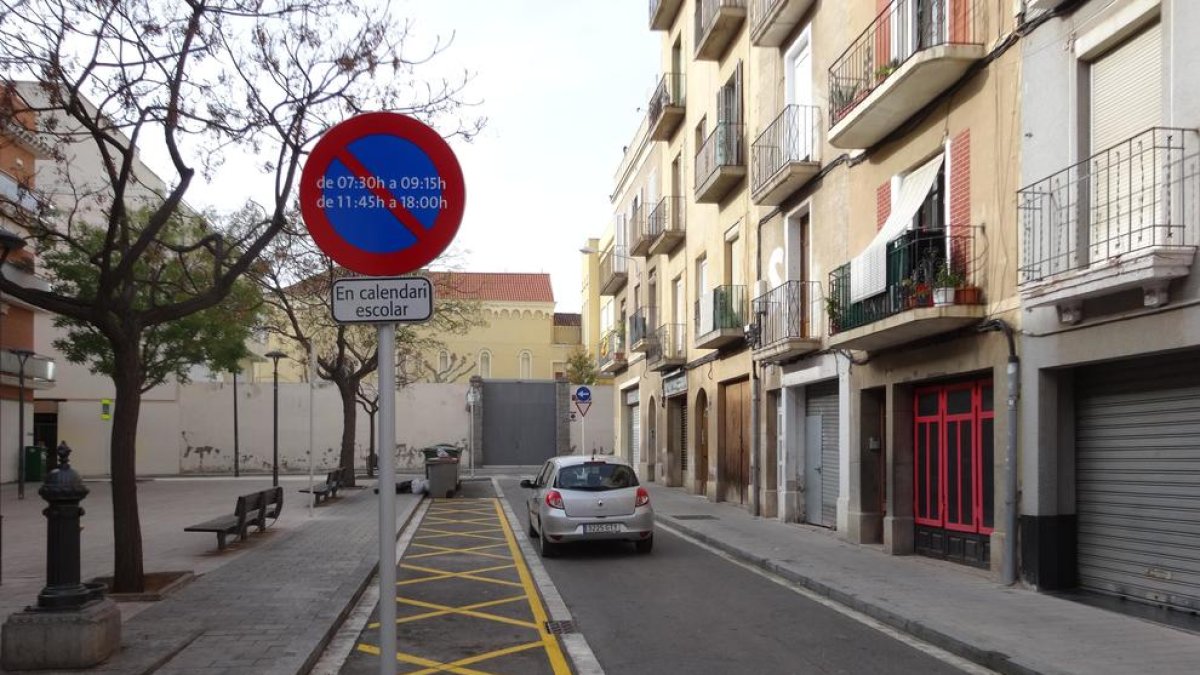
822	399
1138	480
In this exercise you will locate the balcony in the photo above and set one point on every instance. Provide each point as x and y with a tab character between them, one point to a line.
785	155
717	24
39	371
929	287
666	110
720	163
641	329
911	52
720	317
788	317
12	192
612	352
662	13
637	233
665	226
772	21
614	270
1123	218
669	349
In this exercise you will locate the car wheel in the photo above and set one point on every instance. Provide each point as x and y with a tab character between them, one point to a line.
545	548
645	545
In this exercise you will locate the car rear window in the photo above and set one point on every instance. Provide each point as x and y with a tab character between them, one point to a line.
596	476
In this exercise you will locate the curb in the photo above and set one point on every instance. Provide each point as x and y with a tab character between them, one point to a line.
315	655
991	659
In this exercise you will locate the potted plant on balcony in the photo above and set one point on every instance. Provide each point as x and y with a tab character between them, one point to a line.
834	310
882	72
948	279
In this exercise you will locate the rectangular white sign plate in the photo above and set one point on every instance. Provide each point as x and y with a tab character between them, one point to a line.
382	300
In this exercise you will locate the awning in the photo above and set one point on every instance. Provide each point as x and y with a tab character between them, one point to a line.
868	270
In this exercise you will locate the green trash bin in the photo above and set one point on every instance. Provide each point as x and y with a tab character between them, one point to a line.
35	463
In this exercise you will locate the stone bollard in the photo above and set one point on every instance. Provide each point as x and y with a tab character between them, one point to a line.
73	624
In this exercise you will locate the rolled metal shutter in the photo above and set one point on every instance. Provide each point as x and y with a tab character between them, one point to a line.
1127	89
635	435
683	446
822	399
1138	480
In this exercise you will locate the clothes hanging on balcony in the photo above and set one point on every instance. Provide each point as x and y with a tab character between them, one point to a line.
868	270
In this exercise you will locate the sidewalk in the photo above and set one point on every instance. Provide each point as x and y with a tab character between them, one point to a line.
265	606
956	608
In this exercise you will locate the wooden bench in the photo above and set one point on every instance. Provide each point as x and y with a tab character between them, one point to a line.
251	509
320	491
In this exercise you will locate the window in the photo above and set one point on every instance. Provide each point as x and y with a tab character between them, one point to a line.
485	364
596	477
526	365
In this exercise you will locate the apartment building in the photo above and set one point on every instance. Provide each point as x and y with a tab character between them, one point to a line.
20	151
843	276
1108	216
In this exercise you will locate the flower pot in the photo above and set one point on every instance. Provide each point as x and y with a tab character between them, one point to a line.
968	296
943	297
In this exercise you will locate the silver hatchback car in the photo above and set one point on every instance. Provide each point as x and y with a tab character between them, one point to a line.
588	498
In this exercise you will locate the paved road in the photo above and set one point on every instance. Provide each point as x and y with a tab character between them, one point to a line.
683	609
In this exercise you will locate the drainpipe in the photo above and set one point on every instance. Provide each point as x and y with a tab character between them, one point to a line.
755	443
1008	564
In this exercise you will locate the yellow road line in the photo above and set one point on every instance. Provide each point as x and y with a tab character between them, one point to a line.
480	657
474	534
446	550
463	575
442	574
435	666
557	661
443	612
466	612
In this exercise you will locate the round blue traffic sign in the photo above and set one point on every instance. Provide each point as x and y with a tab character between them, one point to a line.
583	395
382	194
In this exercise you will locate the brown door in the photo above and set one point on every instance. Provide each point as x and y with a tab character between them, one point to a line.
700	471
735	444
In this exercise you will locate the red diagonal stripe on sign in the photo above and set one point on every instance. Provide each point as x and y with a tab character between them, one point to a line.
372	183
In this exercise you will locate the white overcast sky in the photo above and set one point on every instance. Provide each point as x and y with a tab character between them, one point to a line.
563	85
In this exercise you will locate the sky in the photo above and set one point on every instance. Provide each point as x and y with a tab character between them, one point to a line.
563	85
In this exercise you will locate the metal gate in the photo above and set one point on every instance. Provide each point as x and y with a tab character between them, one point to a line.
1138	480
635	438
821	402
518	423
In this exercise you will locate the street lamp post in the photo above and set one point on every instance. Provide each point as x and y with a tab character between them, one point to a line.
275	356
9	242
236	450
22	356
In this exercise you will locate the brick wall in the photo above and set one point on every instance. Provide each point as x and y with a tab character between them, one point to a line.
883	203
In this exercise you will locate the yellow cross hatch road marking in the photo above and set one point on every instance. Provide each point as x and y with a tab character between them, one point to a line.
444	574
485	520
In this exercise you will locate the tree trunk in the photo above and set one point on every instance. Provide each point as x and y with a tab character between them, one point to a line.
127	528
348	391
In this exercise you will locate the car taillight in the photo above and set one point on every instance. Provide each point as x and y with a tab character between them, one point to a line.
643	497
554	500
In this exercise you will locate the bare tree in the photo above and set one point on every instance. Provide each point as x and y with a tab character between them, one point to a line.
302	313
204	84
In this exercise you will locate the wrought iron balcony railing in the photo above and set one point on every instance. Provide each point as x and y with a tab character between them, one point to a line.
1142	193
669	344
723	308
722	148
13	192
924	268
707	12
904	28
669	92
791	137
614	266
641	326
667	217
612	349
788	312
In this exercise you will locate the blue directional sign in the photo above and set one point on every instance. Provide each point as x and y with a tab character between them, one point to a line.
583	395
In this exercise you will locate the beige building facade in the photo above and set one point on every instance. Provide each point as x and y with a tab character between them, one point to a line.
811	269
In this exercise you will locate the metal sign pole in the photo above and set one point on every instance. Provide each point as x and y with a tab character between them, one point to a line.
387	499
312	382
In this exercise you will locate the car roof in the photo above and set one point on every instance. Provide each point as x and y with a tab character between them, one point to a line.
572	460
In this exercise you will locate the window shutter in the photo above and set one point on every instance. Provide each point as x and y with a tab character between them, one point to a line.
1127	89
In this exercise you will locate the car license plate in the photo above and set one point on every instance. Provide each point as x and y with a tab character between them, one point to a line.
597	528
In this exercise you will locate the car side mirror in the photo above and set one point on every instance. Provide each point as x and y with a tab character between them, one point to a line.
526	483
